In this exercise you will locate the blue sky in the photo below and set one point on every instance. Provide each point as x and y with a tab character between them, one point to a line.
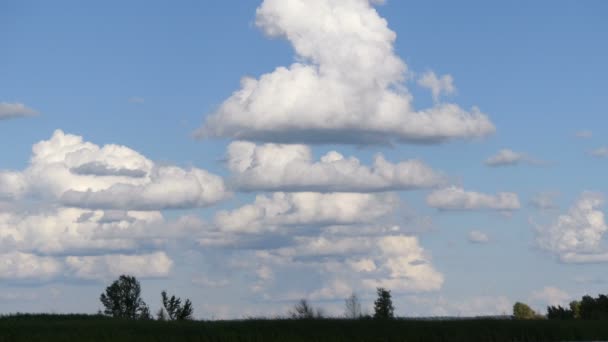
172	196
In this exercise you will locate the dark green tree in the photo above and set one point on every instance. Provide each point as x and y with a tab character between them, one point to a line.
575	307
122	299
174	308
383	306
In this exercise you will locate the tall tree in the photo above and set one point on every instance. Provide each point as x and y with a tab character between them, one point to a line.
122	299
383	306
174	308
352	307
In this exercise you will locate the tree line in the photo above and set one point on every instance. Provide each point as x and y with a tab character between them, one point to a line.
586	308
122	299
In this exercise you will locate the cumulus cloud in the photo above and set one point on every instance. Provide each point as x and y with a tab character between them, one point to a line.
476	236
15	110
105	267
443	85
455	198
601	152
305	208
347	86
82	174
576	236
273	167
74	231
357	263
25	266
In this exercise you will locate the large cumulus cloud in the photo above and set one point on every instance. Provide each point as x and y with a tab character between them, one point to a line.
347	86
82	174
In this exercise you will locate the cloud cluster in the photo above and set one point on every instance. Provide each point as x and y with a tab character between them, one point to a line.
455	198
82	174
272	167
359	263
347	86
80	210
283	210
576	236
14	110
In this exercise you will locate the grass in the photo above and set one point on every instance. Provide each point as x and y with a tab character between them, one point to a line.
58	328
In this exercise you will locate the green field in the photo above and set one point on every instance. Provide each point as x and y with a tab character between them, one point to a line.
95	328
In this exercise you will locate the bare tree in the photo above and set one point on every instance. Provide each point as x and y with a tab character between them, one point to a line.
352	307
303	310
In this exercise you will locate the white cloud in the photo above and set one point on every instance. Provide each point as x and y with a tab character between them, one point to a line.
305	208
272	167
601	152
358	263
576	236
443	85
505	157
82	174
110	266
15	110
551	295
455	198
477	236
347	86
25	266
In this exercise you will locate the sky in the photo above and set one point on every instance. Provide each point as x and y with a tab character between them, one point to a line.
246	154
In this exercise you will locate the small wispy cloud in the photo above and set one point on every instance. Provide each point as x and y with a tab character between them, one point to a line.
443	85
15	110
476	236
508	157
601	152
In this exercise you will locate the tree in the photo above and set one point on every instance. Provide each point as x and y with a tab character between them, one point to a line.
122	299
575	307
383	306
352	307
559	312
174	308
303	310
523	311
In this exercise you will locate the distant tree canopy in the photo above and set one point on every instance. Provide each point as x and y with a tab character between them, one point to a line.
122	299
174	309
587	308
383	306
523	311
